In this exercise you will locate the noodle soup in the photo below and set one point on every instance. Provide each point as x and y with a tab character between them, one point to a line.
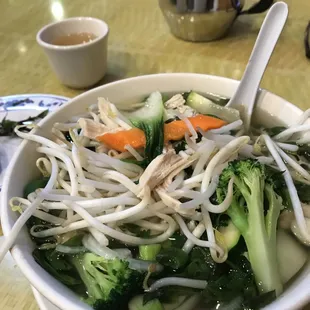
163	203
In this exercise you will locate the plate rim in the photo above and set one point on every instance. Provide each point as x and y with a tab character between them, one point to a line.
35	95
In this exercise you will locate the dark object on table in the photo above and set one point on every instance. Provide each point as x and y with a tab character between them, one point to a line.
205	20
7	126
258	7
306	41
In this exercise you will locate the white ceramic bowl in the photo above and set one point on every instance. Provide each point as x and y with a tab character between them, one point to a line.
22	169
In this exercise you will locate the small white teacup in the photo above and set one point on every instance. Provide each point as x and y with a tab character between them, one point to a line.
80	65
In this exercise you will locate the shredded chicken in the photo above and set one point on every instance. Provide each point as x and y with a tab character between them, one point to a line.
176	105
159	169
185	163
171	161
106	113
175	102
92	129
173	203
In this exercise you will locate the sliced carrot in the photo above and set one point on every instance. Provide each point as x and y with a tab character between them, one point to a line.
118	140
176	130
173	131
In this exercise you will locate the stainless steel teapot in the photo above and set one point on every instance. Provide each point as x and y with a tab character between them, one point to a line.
205	20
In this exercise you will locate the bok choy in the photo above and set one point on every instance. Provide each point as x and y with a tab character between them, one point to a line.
150	119
205	106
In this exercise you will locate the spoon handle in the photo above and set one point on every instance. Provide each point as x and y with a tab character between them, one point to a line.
262	51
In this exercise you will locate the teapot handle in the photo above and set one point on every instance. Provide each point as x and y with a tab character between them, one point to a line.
259	7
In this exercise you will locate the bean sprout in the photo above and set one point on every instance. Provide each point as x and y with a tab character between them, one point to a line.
177	281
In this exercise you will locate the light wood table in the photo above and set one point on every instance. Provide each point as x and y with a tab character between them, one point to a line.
139	43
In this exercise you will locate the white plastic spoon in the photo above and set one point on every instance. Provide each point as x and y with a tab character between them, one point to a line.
244	97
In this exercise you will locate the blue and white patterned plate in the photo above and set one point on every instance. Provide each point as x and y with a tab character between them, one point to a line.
20	107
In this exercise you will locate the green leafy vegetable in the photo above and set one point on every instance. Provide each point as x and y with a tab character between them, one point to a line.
138	231
172	296
7	126
68	136
34	221
218	219
201	265
177	240
55	264
273	131
180	146
304	150
173	258
237	281
260	301
150	119
141	163
303	191
277	179
34	185
226	281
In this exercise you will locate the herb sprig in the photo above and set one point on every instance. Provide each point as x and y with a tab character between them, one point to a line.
7	126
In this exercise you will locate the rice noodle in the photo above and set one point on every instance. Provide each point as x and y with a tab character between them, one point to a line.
100	203
106	230
287	133
133	152
222	207
190	142
122	179
303	172
21	221
177	182
190	128
232	126
66	159
94	246
220	157
38	139
195	240
23	204
99	236
197	232
302	119
211	237
290	186
205	150
65	126
288	147
108	161
201	197
177	281
70	250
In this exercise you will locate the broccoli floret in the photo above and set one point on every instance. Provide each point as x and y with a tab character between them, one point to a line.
110	283
254	210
